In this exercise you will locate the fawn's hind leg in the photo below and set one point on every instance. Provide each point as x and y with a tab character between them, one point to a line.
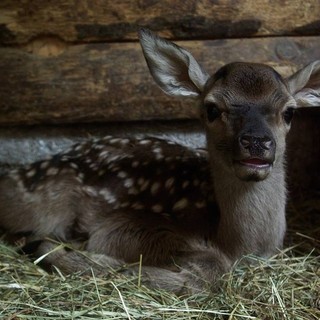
195	271
128	235
88	263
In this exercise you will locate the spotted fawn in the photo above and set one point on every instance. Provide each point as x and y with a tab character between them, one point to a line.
189	213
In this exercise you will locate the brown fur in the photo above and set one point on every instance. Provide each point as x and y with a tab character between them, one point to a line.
190	216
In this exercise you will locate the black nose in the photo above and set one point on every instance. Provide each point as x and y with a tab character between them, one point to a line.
247	142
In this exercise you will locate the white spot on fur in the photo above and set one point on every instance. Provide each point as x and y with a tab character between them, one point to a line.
90	191
106	138
133	191
155	187
113	158
94	166
74	165
104	154
31	173
63	159
200	204
52	171
145	185
78	147
86	151
181	204
39	187
157	150
185	184
159	156
128	183
101	172
44	165
137	206
135	164
122	174
107	195
157	208
145	141
115	140
124	141
81	176
169	183
125	205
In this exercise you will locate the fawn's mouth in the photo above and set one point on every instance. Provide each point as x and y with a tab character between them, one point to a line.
252	169
255	163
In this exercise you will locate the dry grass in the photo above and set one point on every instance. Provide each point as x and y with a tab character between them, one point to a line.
286	286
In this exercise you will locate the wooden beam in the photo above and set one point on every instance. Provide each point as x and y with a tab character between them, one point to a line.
111	82
108	20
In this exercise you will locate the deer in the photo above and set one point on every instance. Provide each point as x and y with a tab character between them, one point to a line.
188	214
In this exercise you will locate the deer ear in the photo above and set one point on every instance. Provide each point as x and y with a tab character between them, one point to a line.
304	85
173	68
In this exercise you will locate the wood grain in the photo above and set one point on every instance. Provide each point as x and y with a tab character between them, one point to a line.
110	82
108	20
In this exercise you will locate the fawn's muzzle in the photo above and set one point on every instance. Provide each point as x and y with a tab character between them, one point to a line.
254	156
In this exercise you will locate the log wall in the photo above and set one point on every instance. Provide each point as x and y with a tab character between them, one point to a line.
108	20
68	62
101	82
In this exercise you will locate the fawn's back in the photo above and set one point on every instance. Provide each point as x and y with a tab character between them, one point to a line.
142	183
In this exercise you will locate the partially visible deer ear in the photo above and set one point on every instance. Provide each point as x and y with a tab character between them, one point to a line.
173	68
304	85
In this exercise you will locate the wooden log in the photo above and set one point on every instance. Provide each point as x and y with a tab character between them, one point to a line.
108	20
110	82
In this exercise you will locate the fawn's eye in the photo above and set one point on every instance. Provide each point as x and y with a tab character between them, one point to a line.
212	111
288	115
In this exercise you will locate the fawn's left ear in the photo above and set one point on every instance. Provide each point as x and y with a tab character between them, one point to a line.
304	85
173	68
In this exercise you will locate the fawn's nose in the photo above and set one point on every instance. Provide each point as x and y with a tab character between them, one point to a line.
249	141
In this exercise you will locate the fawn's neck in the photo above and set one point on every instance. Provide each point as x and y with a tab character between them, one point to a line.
252	213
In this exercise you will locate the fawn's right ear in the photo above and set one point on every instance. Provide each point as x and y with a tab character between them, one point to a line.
173	68
304	85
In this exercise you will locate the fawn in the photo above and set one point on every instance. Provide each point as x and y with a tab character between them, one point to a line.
190	214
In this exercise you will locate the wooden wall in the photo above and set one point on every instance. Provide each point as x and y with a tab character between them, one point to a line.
70	61
67	62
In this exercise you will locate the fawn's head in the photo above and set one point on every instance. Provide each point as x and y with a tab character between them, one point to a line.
246	108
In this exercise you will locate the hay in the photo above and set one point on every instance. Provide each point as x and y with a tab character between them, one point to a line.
287	286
